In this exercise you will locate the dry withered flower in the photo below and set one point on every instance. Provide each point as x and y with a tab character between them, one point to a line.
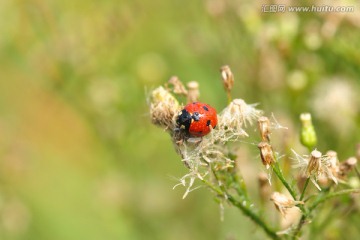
227	77
282	202
193	93
264	128
266	154
163	108
346	167
178	86
315	166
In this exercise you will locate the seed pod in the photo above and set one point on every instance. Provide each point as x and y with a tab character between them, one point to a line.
264	128
282	202
193	93
266	154
227	77
314	166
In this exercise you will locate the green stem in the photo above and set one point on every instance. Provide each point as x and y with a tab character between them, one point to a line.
332	195
279	174
303	191
319	200
357	172
247	211
228	93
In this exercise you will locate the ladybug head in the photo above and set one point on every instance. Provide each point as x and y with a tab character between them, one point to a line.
183	120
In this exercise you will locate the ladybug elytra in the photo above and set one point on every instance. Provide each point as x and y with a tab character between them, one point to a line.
197	119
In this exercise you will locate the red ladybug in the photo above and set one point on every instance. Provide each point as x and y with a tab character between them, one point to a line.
197	119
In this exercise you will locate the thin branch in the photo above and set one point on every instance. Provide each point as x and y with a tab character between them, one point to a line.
304	189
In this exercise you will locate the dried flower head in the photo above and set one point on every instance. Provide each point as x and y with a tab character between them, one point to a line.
163	108
237	115
314	166
282	202
178	86
346	167
334	162
193	93
266	154
314	163
264	128
227	78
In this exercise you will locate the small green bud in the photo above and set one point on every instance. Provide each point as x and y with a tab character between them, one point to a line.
307	134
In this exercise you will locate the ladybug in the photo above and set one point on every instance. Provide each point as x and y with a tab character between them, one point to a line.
196	119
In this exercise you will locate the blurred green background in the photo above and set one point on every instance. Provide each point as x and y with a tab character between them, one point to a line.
79	158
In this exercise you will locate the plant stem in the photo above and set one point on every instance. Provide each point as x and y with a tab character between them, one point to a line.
279	174
246	210
303	191
319	200
357	172
299	226
249	213
228	93
332	195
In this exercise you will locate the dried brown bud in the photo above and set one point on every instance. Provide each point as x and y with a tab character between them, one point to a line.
282	202
227	77
266	154
179	87
347	166
193	93
314	166
228	80
264	128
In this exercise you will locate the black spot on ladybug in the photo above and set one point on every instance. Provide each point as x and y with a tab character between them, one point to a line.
194	102
208	122
205	108
196	116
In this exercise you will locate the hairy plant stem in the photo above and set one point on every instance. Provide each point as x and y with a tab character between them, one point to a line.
255	218
277	170
244	208
322	198
280	175
332	195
